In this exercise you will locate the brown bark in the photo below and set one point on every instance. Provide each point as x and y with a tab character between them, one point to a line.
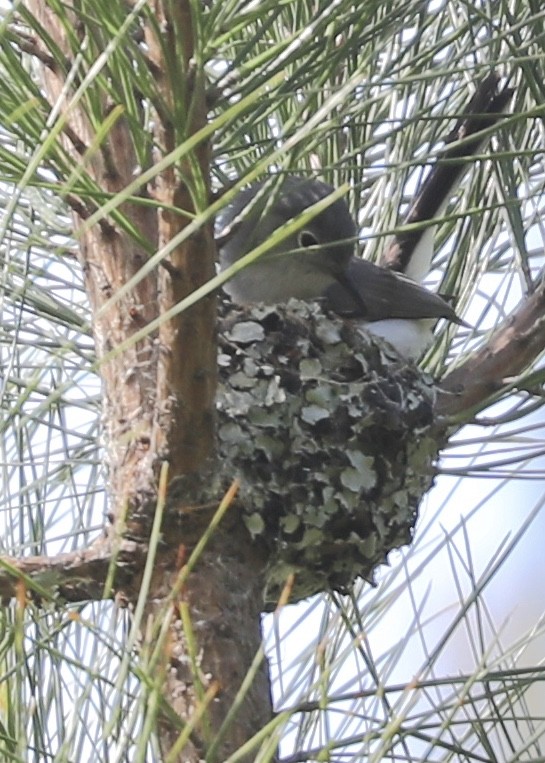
158	390
487	373
188	376
224	600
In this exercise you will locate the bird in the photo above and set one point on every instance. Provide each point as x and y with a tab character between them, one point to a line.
304	263
318	263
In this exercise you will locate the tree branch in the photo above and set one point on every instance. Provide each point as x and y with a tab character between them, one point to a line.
78	575
487	373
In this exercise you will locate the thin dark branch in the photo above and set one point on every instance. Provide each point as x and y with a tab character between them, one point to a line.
29	44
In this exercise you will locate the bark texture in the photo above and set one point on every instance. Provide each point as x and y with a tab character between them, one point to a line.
225	599
333	436
158	383
493	369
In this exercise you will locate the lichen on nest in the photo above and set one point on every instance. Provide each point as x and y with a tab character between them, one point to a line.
331	434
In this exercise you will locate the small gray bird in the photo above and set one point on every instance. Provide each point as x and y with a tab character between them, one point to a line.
317	262
301	266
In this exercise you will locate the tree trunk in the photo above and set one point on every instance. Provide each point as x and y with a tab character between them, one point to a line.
159	384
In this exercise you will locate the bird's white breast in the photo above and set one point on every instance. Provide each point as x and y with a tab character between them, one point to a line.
409	337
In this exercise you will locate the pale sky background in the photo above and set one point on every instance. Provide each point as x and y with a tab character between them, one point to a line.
515	599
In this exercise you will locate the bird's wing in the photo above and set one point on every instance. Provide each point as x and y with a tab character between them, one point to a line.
372	293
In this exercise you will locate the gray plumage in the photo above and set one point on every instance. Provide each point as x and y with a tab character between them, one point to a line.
317	261
305	263
373	293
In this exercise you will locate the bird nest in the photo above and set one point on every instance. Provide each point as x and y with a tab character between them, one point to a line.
331	434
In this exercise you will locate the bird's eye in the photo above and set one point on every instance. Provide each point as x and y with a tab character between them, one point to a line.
306	238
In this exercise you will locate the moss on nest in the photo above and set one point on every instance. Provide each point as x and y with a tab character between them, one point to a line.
331	435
